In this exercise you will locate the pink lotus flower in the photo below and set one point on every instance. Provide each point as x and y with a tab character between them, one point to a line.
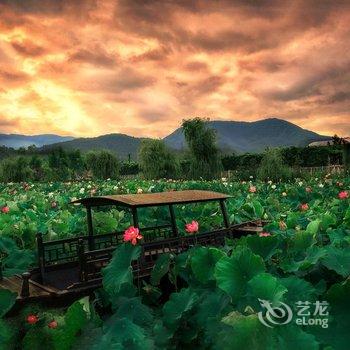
308	189
304	207
32	319
192	227
5	209
132	234
343	195
53	324
264	234
252	189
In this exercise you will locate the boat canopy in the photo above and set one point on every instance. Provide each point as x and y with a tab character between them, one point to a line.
153	199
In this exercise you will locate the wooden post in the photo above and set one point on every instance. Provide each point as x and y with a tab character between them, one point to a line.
41	256
90	229
25	285
135	218
173	220
224	213
81	258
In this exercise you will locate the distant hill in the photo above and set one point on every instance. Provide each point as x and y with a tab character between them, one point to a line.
120	144
253	136
16	140
232	136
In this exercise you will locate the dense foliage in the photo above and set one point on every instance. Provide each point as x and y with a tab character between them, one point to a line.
157	160
62	165
103	164
292	156
302	256
203	150
201	159
272	167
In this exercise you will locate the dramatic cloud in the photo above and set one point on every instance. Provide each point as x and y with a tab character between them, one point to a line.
89	67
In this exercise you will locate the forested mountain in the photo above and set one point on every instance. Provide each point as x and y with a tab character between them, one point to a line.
253	136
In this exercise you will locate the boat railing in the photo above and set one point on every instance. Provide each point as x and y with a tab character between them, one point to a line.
92	262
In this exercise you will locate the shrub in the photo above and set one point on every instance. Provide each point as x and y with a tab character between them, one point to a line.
103	164
15	170
129	168
156	160
272	166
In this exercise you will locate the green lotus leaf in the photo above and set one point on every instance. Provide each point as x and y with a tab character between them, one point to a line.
134	310
337	334
211	305
74	321
7	300
6	335
266	247
123	334
267	287
303	261
297	288
233	273
291	337
118	272
337	259
244	332
203	261
301	241
313	227
160	269
178	306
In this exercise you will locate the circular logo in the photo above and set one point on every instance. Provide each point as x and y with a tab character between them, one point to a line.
275	315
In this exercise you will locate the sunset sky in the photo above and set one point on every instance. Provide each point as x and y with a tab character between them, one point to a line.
91	67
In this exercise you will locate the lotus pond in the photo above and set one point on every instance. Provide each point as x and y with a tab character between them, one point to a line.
286	288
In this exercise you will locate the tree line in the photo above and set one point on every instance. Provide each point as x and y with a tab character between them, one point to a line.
201	159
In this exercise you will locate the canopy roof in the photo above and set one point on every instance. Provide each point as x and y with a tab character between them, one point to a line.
153	199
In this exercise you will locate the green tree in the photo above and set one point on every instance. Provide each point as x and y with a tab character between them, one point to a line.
337	140
156	160
16	170
59	163
272	166
346	156
103	164
76	162
36	164
204	153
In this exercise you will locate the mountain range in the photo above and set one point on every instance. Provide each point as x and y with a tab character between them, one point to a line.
16	141
253	136
232	136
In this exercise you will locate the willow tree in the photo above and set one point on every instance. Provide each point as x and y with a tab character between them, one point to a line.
272	166
156	160
204	154
103	164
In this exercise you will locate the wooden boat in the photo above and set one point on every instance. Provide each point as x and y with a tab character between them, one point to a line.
72	267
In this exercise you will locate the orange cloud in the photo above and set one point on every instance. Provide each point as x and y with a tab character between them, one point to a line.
91	67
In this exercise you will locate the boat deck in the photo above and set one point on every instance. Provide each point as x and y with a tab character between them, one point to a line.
65	281
14	284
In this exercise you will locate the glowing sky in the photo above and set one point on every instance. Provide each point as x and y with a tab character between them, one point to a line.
91	67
